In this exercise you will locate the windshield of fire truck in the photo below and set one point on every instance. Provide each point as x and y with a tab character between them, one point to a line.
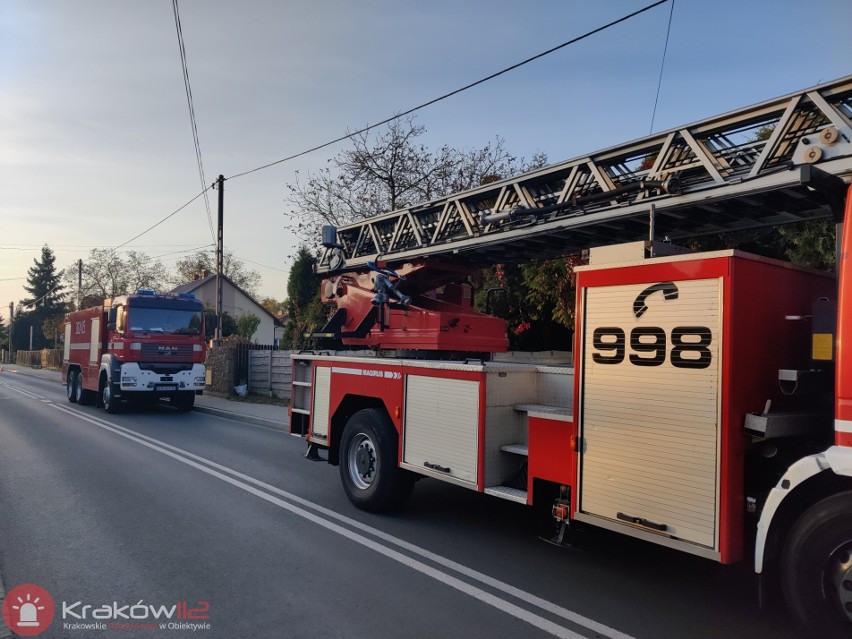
164	320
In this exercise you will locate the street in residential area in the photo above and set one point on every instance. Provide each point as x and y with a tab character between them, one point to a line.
429	320
157	507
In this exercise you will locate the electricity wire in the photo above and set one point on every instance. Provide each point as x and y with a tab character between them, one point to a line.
192	120
274	268
662	65
384	121
170	215
197	248
452	93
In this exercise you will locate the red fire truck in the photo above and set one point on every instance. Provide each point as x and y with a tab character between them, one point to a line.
708	407
140	347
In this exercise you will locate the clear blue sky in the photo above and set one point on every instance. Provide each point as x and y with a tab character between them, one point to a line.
95	142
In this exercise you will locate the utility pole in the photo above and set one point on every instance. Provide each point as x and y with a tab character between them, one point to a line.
220	247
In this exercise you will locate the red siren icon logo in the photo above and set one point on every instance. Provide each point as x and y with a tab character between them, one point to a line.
28	610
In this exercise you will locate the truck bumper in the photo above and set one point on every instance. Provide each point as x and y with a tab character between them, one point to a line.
135	380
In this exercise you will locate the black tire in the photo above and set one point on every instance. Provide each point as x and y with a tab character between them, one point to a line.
71	385
108	399
81	395
371	477
816	571
89	397
184	401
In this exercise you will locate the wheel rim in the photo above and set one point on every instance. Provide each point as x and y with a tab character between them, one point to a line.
362	461
69	386
839	577
106	396
78	388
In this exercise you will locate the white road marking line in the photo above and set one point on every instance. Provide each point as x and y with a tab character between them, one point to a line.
508	589
212	468
23	392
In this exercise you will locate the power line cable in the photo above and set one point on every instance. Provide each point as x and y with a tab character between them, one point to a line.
404	113
662	65
189	101
197	248
170	215
61	284
452	93
54	247
274	268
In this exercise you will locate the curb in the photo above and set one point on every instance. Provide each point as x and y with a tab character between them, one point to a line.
242	417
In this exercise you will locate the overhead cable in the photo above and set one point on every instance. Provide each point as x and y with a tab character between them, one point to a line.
452	93
188	88
173	213
399	115
662	66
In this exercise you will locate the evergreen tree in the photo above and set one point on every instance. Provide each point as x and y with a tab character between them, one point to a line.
4	334
44	284
304	305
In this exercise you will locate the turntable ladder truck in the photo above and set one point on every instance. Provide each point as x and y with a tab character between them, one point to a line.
709	405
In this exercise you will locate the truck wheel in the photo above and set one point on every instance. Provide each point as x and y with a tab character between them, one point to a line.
184	401
81	395
71	385
817	567
111	404
368	463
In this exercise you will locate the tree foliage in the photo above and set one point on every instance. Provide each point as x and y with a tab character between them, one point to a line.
229	324
46	301
550	291
247	324
51	328
4	334
204	262
304	304
44	284
810	243
273	305
390	171
535	299
107	273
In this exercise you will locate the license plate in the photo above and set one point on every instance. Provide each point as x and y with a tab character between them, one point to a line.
166	387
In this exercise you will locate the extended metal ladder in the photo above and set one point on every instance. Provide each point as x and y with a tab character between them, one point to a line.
726	173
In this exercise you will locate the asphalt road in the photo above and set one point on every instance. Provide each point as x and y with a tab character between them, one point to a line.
157	507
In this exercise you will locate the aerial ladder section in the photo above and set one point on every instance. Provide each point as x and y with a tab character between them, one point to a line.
749	168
